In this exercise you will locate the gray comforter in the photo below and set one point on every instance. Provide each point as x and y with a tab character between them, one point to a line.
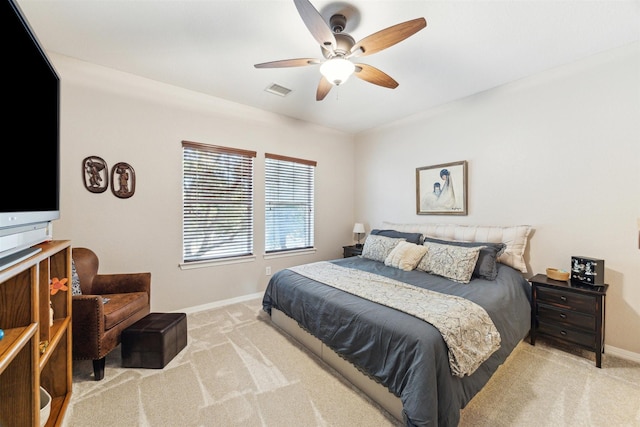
402	352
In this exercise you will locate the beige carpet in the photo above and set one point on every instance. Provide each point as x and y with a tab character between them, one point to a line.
238	370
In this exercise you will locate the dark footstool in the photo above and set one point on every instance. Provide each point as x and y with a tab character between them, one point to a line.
154	340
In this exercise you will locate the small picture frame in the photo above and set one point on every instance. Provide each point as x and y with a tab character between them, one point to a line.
123	180
442	189
95	174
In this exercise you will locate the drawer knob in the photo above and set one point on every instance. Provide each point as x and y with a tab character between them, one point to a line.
563	333
563	316
563	298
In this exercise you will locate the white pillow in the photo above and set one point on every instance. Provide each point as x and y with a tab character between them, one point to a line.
515	237
378	248
405	256
453	262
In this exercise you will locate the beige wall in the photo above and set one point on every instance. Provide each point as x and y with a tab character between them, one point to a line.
124	118
559	151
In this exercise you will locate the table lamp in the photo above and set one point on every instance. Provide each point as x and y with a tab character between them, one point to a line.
358	229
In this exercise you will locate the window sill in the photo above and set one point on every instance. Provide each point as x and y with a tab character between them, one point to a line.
213	263
285	254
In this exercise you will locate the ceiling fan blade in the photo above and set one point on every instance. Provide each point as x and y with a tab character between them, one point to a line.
298	62
373	75
323	88
316	25
387	37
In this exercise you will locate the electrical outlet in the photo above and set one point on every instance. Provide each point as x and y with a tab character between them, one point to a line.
268	271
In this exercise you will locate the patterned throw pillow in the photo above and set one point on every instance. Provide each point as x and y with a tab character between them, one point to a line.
75	280
378	248
405	256
453	262
486	267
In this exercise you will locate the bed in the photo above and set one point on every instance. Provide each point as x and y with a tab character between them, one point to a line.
424	317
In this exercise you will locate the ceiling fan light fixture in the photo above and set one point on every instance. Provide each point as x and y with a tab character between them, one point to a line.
338	48
337	70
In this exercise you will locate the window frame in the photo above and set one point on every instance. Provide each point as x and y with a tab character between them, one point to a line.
270	193
240	208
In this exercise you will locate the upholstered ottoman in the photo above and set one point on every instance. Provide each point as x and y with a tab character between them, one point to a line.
154	340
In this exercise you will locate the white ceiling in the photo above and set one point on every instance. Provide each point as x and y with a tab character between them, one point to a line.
211	47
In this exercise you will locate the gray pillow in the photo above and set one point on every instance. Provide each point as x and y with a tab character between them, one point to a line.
486	266
409	237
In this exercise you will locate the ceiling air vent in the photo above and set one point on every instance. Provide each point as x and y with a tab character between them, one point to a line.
278	90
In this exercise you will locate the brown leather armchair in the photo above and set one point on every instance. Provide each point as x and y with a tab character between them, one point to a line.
109	304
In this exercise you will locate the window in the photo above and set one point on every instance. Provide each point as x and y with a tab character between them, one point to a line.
289	216
217	211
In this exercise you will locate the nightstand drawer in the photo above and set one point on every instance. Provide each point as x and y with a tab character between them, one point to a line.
548	313
569	313
572	300
349	251
567	334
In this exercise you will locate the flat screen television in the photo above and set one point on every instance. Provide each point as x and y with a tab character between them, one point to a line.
30	165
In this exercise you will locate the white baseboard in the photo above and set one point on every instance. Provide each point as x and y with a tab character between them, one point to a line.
624	354
222	303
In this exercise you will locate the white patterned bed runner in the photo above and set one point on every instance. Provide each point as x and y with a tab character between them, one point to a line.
465	326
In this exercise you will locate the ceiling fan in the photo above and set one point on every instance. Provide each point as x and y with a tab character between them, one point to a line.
338	48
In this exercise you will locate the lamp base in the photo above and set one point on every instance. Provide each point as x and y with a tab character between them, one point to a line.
359	245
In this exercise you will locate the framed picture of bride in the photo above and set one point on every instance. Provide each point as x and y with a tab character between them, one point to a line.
442	189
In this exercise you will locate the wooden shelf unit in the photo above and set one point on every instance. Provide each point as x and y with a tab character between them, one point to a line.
24	316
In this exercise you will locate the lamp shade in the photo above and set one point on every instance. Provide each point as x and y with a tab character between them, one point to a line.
337	70
358	228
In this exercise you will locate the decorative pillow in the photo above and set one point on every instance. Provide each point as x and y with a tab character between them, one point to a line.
75	280
378	248
405	256
515	237
409	237
453	262
486	267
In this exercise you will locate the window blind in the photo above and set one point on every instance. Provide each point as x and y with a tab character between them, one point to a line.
217	202
289	209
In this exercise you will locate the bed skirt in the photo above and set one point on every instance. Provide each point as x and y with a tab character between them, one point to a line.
375	391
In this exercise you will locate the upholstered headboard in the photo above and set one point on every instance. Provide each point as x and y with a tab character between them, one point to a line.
515	237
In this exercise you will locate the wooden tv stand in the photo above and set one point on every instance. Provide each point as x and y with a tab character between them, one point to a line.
33	353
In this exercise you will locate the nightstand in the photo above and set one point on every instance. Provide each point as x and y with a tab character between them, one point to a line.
569	313
349	251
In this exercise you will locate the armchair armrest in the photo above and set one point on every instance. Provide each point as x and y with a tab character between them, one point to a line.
88	322
122	283
88	310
